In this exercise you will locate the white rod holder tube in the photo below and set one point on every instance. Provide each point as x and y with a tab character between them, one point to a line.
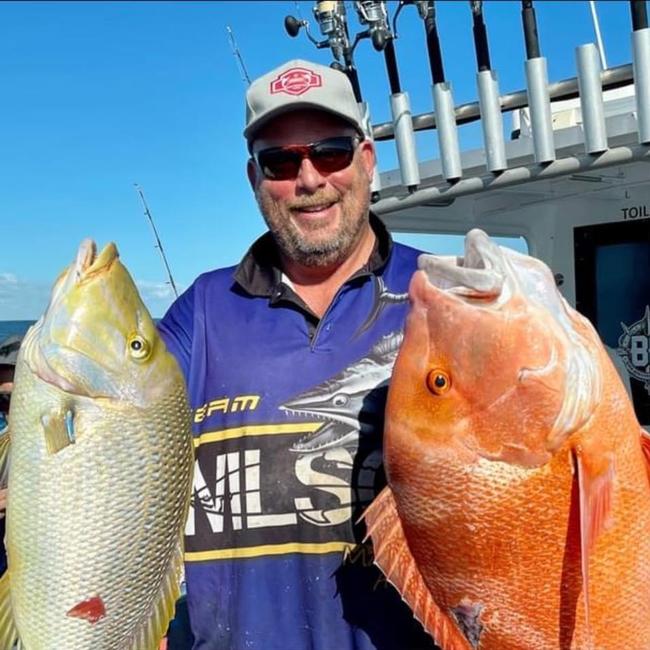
641	67
443	102
540	109
591	98
405	140
491	121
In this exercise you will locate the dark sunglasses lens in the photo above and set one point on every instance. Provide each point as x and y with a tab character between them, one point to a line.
279	164
332	155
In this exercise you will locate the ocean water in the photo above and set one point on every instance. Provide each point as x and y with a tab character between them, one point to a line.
10	327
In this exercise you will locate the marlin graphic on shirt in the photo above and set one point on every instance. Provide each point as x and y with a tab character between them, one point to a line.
350	403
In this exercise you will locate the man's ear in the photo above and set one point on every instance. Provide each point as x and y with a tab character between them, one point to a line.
367	152
252	171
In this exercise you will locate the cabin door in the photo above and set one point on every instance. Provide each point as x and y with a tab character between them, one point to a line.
612	272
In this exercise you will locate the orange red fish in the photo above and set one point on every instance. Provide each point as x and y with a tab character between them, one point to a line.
517	512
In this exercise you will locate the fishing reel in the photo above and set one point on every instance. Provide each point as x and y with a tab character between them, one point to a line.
332	20
374	14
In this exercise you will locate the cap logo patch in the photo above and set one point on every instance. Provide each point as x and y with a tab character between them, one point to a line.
296	81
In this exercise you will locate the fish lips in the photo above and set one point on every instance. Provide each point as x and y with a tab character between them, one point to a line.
480	274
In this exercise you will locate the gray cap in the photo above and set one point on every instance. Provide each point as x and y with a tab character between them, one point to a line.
300	84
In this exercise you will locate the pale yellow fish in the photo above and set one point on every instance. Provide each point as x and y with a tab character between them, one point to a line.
100	470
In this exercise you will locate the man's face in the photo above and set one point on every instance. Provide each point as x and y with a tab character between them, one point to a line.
316	218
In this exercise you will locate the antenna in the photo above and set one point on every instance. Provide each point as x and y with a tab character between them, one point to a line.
599	40
158	245
238	56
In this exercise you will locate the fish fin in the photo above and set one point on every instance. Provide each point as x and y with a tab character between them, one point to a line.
393	557
58	430
8	631
150	634
5	446
645	448
595	482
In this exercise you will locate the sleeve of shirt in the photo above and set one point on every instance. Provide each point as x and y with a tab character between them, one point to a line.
176	329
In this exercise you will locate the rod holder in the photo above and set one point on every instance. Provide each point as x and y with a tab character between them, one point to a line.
540	109
591	98
491	121
443	103
364	109
405	140
641	67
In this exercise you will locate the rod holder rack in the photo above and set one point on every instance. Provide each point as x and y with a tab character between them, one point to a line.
465	113
444	195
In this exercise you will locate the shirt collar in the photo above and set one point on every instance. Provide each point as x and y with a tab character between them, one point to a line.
259	272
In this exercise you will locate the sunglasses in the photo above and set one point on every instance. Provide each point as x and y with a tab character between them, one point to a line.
327	156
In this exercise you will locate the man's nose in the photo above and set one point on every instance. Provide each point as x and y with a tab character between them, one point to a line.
309	179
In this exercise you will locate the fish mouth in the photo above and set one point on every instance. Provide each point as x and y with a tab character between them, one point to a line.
331	435
88	263
480	274
320	413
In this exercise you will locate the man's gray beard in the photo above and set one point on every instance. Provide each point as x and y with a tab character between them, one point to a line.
321	254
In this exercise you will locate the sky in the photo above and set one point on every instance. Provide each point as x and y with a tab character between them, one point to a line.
97	96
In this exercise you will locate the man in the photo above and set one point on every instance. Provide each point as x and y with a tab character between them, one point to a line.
287	358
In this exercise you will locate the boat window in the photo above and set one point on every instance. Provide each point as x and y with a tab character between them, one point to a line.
446	244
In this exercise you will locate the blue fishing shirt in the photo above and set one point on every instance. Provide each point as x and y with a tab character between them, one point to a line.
287	422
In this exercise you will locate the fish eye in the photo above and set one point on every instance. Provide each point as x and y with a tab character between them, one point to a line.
438	381
139	348
340	400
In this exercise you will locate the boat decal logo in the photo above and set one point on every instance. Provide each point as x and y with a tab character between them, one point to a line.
634	348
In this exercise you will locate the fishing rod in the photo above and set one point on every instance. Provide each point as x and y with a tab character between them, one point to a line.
332	21
375	16
599	38
238	56
443	100
488	94
537	83
158	244
641	66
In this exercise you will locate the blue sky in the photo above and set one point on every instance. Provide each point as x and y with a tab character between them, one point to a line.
99	95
